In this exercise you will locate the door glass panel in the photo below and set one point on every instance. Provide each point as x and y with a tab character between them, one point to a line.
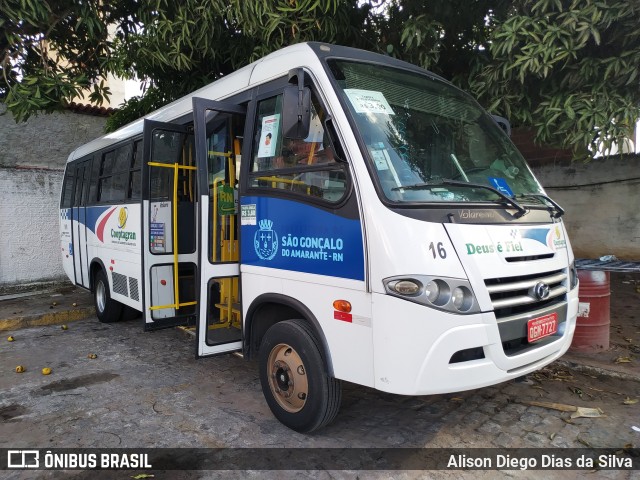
168	150
223	164
223	315
303	166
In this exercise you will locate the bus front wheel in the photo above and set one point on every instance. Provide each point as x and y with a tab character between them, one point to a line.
107	309
294	380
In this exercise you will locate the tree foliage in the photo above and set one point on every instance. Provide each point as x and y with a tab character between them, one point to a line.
569	68
566	67
53	51
185	45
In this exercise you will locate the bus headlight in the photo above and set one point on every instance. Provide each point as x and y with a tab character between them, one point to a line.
451	294
432	291
462	298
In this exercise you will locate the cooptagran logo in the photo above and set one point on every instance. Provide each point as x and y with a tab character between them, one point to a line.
123	215
265	241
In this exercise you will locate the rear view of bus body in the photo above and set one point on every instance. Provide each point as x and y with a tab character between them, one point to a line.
337	214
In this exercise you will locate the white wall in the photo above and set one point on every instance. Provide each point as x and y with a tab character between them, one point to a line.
32	159
602	203
29	243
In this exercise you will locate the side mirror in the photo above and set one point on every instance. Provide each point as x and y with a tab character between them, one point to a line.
503	123
296	110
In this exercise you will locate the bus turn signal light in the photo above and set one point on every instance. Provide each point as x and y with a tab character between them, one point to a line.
342	306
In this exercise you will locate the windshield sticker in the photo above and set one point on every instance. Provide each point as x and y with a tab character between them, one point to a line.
269	136
380	157
368	101
248	214
501	185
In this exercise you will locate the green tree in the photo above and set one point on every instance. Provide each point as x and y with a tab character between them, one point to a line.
568	68
185	45
53	51
448	37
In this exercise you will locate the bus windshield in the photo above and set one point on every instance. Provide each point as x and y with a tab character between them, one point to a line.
426	140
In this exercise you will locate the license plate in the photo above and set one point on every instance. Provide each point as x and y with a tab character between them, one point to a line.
541	327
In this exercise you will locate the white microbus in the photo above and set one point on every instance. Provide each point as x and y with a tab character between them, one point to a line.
336	214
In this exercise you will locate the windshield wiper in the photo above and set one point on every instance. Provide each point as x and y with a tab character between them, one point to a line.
556	210
429	185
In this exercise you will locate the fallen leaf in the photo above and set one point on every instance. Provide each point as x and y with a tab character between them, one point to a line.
623	360
142	475
552	436
630	401
457	399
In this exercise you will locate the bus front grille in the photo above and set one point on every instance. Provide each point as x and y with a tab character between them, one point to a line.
516	300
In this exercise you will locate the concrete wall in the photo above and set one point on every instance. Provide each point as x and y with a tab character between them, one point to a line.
602	203
32	159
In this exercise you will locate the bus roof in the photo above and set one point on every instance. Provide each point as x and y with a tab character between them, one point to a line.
269	67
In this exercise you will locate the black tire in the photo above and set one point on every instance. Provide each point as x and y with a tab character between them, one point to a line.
107	309
294	377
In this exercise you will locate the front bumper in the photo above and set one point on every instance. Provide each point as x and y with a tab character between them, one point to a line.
414	346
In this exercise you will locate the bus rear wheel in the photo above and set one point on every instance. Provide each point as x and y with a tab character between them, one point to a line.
294	380
107	309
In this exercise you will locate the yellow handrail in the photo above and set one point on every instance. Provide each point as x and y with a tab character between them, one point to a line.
214	219
176	289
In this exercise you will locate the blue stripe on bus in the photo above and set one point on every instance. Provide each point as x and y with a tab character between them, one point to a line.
93	214
289	235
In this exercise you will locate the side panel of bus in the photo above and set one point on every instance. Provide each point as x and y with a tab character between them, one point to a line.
100	221
302	246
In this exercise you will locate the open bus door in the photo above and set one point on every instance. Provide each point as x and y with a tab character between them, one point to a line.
169	223
219	128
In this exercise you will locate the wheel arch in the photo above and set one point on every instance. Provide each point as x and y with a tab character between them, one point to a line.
270	308
96	264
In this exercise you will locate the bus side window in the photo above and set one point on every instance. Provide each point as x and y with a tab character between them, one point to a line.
77	197
114	174
67	187
306	166
135	178
93	185
105	185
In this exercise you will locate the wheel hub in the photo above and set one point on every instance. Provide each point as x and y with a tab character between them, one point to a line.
101	296
287	378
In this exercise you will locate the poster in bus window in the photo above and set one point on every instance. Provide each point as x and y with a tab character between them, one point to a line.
269	136
160	239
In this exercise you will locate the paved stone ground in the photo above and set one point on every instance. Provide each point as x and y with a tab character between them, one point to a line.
147	390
